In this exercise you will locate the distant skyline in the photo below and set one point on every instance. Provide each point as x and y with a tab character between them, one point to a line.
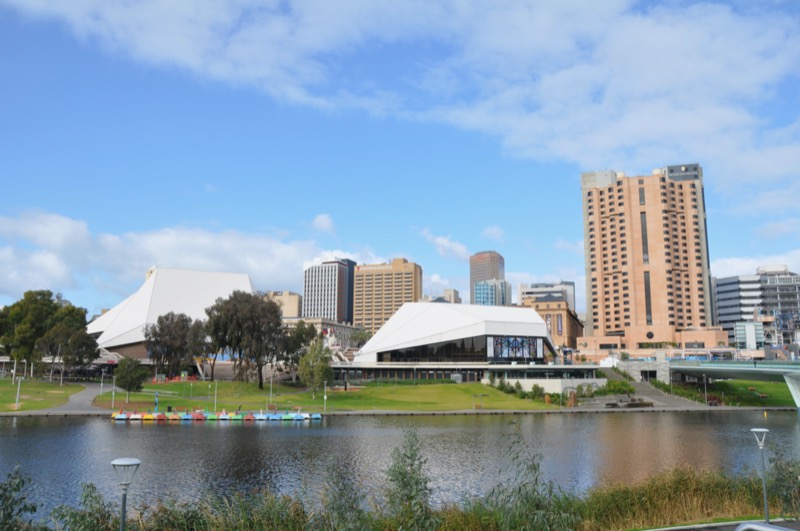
258	137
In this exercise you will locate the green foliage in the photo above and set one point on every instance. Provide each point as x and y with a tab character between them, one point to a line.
173	340
315	367
343	501
94	513
360	337
783	483
615	387
677	496
249	328
42	324
130	375
622	373
408	491
528	501
14	503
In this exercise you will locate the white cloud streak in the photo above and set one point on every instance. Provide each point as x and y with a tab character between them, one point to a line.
603	84
446	246
39	250
494	232
322	223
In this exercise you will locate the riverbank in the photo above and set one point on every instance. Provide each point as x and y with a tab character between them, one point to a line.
83	403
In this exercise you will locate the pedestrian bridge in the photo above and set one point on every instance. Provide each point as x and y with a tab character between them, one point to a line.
767	371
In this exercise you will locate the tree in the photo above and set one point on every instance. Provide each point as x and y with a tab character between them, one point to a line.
315	367
173	340
249	328
295	342
130	375
360	337
24	322
41	325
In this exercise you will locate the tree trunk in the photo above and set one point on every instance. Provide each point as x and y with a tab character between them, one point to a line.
14	373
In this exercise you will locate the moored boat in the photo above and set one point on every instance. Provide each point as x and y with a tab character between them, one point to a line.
198	415
135	415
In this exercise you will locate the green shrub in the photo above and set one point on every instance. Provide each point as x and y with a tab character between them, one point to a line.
408	491
14	504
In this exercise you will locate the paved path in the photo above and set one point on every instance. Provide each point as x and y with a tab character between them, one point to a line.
79	404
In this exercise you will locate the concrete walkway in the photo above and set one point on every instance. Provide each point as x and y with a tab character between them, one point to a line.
79	404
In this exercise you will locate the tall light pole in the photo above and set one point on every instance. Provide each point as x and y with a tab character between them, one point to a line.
761	435
19	383
325	397
113	390
125	468
215	395
705	387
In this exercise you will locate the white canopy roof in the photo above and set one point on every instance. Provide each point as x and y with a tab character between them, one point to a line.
164	291
423	323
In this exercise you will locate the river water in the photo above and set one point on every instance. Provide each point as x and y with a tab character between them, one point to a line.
466	455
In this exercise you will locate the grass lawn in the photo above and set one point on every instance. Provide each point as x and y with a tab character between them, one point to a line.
778	393
389	397
34	394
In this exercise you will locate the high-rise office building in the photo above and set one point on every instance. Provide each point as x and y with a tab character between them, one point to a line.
492	293
770	297
328	290
381	289
646	251
485	265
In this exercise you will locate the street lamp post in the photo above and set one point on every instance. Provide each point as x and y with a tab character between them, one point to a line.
705	388
125	468
19	384
325	397
760	435
215	395
113	390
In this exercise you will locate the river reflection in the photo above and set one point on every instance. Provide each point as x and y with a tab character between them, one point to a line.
467	455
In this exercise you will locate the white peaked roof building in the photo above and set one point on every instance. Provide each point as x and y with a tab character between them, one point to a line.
465	343
164	290
417	324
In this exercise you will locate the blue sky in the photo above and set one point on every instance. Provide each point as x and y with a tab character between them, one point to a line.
261	136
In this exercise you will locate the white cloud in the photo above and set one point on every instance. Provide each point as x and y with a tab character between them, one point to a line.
322	223
493	232
747	265
39	250
605	84
446	246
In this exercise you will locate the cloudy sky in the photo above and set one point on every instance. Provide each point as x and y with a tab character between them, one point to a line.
259	136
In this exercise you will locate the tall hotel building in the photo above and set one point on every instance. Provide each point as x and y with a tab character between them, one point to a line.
328	290
381	289
646	251
485	265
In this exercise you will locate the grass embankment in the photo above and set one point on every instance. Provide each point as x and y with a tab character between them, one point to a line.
372	397
734	392
34	395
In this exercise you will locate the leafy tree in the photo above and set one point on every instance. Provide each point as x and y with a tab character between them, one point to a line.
315	367
249	328
43	325
360	337
24	322
408	492
13	503
295	342
173	340
130	376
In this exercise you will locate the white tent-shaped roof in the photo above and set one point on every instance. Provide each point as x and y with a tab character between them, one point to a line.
423	323
164	291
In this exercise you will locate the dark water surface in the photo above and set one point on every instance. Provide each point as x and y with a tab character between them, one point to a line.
467	455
